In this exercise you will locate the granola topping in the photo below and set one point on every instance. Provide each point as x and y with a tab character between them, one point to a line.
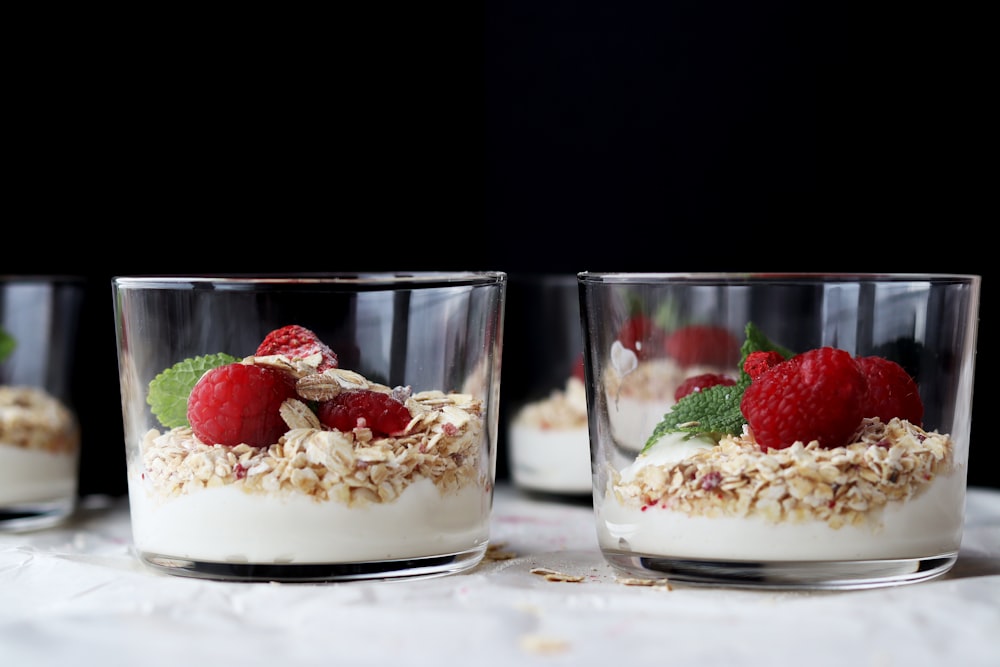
887	462
562	409
442	443
31	418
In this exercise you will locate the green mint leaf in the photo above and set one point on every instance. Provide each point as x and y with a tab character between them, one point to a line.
169	391
7	344
715	412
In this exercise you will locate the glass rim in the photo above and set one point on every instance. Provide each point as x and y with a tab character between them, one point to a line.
736	278
345	279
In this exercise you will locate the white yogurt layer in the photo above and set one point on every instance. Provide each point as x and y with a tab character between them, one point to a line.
667	450
555	460
927	525
549	442
32	475
226	524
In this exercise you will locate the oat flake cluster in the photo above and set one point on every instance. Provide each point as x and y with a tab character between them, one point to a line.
442	443
840	485
561	409
31	418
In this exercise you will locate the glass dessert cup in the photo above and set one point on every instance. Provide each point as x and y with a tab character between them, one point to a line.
801	431
39	428
310	428
546	428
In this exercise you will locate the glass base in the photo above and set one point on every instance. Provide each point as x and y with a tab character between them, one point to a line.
791	575
405	568
35	515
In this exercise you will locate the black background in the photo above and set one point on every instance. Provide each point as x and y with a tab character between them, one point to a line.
529	137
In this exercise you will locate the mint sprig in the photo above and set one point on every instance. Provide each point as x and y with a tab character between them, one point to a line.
715	412
169	391
7	344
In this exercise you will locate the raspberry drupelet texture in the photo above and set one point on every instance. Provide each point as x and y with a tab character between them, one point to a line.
891	391
240	404
758	362
297	342
817	395
378	411
823	395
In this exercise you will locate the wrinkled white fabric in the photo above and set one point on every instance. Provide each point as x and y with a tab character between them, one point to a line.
77	595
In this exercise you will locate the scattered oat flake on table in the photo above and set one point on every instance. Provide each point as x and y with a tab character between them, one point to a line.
652	583
552	575
493	552
541	644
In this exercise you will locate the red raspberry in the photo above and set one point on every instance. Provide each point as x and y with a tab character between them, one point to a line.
816	395
758	362
578	371
891	391
703	345
376	410
641	335
239	403
297	342
702	382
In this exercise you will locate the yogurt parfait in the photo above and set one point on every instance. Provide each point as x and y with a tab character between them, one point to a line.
550	443
39	454
547	437
283	465
820	467
40	434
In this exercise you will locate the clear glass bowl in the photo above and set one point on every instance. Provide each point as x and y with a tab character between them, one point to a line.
548	447
360	443
39	427
841	463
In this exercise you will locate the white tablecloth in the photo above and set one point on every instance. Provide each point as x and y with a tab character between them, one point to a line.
76	595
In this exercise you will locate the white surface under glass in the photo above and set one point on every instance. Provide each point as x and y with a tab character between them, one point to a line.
79	591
